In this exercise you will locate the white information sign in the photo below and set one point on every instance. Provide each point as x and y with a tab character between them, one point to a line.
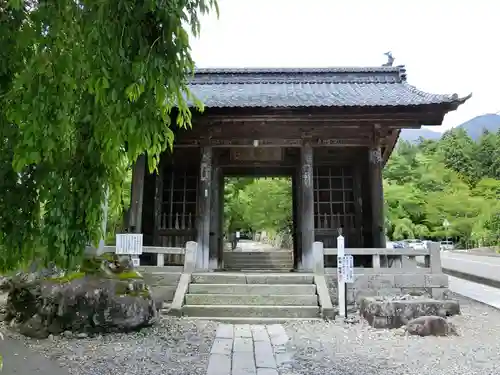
129	244
345	269
136	261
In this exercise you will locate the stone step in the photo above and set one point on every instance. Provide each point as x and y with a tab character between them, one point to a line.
232	299
258	256
254	289
258	266
163	293
251	311
244	278
161	278
258	260
249	320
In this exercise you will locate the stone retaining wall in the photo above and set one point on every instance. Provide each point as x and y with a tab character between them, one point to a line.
432	285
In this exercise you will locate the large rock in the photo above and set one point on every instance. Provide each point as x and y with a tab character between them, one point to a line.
431	326
395	312
103	297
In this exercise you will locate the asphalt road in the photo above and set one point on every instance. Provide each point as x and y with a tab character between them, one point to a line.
20	360
483	266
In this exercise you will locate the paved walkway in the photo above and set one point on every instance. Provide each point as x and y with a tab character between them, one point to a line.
243	349
249	245
20	360
482	293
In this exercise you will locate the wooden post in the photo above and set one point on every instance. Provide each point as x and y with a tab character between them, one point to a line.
137	193
220	220
295	219
204	193
307	205
214	219
377	197
158	202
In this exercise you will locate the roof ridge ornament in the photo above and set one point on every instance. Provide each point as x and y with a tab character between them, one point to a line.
390	59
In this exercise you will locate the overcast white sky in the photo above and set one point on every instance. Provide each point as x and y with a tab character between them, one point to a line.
447	46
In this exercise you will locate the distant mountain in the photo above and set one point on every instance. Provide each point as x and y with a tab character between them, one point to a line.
412	135
474	127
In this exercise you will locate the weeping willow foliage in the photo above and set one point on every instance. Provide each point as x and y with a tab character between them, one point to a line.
85	87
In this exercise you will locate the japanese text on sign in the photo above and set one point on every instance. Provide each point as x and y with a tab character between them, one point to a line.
345	269
129	244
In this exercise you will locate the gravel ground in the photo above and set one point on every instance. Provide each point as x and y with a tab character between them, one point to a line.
174	346
340	349
181	346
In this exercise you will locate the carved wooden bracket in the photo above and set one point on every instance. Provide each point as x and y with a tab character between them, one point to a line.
375	155
206	165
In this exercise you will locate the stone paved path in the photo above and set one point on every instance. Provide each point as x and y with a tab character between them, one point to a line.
243	349
20	360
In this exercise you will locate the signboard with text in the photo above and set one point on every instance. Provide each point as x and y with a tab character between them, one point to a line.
129	244
345	269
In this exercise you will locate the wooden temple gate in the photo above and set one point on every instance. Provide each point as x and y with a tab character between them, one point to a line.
322	127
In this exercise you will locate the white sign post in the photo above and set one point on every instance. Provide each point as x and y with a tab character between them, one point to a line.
129	244
345	274
340	276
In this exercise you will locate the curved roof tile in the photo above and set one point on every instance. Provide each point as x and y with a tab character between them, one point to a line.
311	87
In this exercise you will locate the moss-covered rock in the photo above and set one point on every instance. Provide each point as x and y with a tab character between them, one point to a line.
104	295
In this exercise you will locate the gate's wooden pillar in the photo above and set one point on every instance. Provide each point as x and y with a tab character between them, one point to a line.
204	194
377	196
307	206
220	220
214	216
158	202
295	220
137	194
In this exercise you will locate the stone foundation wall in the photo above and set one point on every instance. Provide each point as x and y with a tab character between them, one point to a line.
432	285
163	283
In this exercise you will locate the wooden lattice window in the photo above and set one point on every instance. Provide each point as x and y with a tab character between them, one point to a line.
179	199
334	198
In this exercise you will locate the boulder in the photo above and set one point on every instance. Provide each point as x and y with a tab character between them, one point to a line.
430	326
395	312
105	295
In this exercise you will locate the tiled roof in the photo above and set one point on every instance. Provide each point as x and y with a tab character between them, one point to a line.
320	87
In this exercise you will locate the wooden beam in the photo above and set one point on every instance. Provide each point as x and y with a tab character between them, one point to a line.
384	112
271	142
390	142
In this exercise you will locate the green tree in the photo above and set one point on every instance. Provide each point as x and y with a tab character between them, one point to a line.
459	150
258	204
85	88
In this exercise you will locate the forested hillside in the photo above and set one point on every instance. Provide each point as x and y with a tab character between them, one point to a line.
453	178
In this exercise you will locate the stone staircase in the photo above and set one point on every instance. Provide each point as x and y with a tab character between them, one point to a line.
279	260
252	297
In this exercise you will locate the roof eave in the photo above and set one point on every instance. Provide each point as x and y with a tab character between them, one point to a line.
457	102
